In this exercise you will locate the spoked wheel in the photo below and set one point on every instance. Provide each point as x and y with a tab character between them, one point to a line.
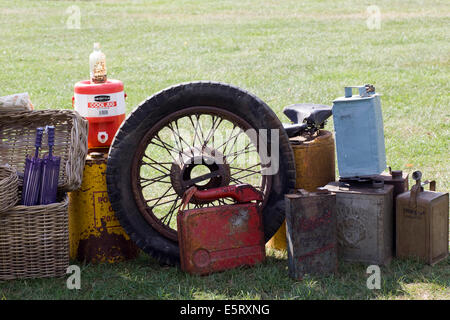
203	146
203	134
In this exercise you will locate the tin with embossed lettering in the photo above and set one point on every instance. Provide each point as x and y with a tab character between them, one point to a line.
311	233
217	238
365	221
422	223
95	233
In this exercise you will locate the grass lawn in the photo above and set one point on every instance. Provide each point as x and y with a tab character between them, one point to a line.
283	51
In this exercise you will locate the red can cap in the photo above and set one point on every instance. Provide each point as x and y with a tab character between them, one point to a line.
110	86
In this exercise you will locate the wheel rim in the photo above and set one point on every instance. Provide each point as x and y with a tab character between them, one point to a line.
203	146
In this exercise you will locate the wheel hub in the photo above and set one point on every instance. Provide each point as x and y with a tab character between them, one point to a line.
211	162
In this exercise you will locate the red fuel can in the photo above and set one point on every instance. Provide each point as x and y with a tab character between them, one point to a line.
103	105
221	237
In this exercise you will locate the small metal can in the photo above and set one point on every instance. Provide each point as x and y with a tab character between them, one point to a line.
422	223
396	178
365	220
314	166
399	180
311	233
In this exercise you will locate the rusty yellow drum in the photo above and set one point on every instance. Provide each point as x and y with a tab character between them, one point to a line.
315	167
95	234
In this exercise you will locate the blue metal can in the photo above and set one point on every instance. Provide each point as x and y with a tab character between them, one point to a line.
358	125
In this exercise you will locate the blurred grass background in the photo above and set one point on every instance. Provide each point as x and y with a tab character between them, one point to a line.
285	52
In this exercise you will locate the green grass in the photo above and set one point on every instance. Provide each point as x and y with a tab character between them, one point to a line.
146	279
284	51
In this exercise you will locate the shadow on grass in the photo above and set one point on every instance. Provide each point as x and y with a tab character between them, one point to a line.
145	278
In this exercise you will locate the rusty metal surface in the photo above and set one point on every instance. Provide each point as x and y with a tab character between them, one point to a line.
218	238
95	233
311	234
315	167
399	180
422	228
396	178
364	223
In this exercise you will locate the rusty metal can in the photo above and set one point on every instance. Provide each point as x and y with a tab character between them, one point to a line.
396	178
399	180
423	223
311	233
315	167
364	221
222	237
95	234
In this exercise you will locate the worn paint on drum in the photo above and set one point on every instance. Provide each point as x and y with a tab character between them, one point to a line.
315	167
95	234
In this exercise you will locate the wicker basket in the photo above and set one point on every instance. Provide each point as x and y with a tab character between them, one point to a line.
18	133
34	241
9	188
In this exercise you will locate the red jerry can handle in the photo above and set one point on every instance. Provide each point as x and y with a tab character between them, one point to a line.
241	193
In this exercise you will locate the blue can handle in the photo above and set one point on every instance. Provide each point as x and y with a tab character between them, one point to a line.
364	91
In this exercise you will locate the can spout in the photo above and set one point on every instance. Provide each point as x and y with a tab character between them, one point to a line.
417	175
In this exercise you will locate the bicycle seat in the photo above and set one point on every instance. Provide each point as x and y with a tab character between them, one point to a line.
307	112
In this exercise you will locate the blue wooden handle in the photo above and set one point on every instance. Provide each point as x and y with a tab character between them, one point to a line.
51	135
39	133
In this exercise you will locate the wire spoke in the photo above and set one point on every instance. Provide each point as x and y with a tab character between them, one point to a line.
235	140
164	146
180	140
235	180
152	165
247	169
162	196
199	126
213	129
168	216
247	175
153	180
240	152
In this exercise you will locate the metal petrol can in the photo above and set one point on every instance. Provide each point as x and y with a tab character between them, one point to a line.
95	234
358	126
422	223
364	221
399	180
311	233
217	238
315	167
396	178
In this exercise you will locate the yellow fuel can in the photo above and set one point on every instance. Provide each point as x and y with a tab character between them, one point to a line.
315	167
95	234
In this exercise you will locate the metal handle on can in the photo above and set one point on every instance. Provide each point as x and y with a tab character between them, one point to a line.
241	193
364	91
